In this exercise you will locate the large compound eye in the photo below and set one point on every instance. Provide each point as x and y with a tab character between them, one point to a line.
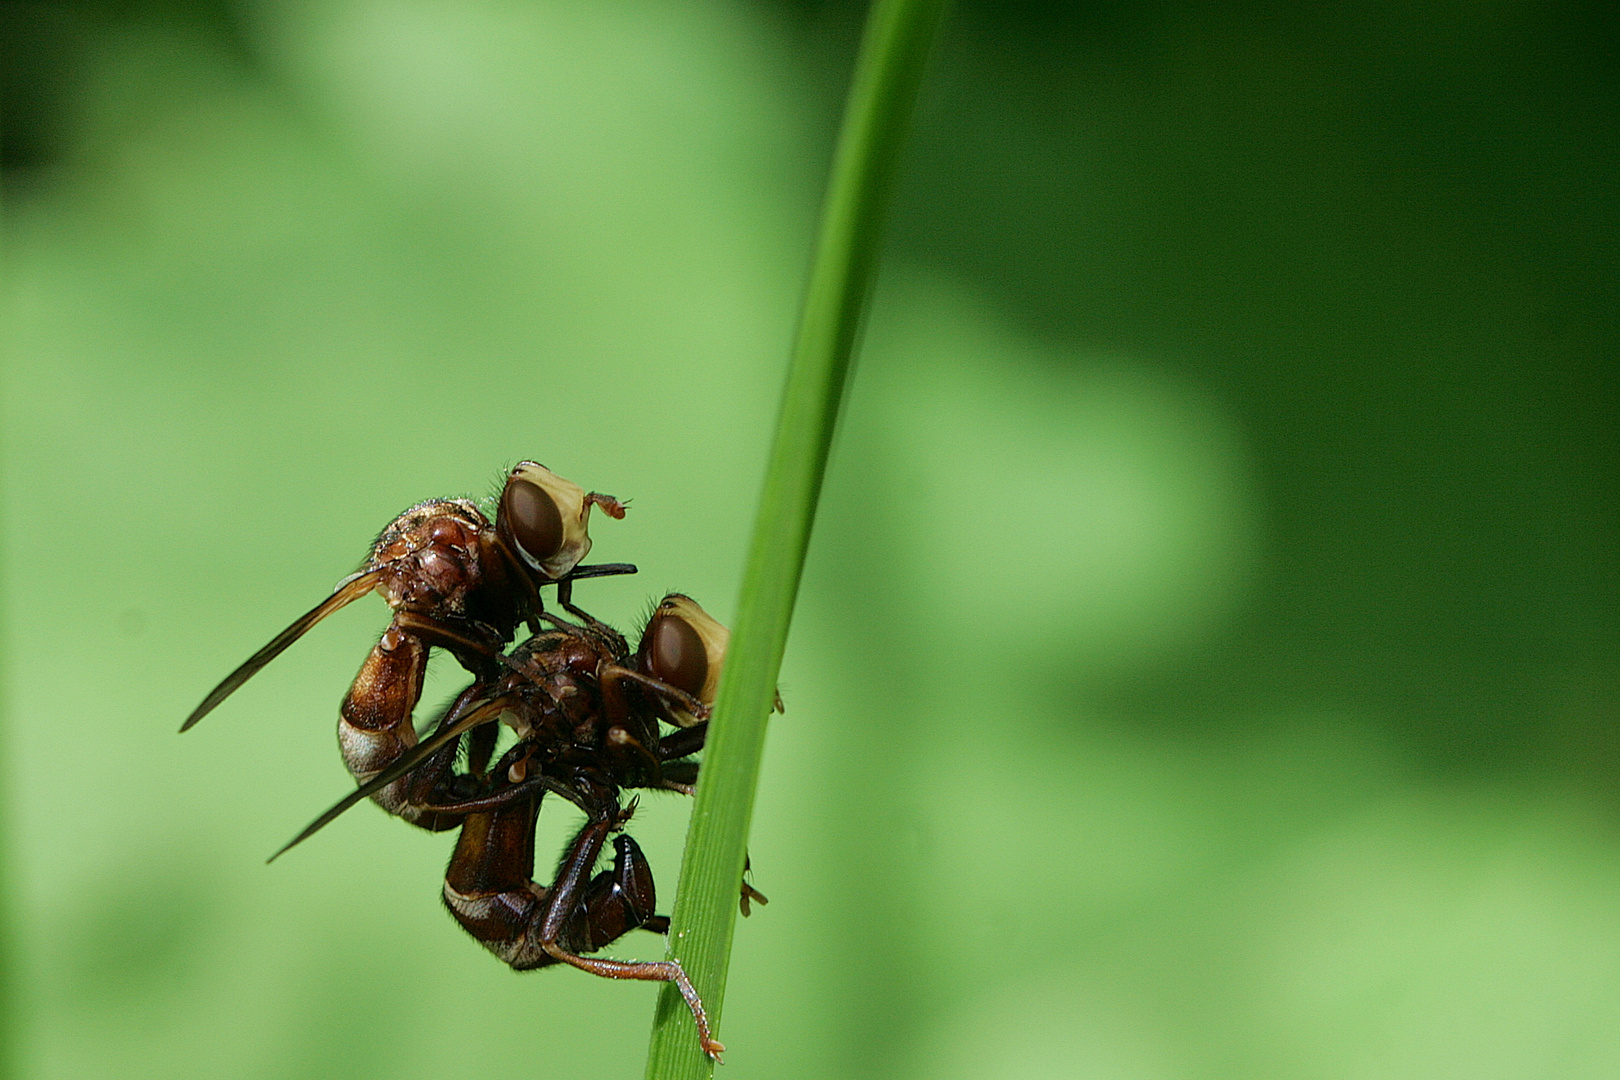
536	524
676	654
545	517
685	647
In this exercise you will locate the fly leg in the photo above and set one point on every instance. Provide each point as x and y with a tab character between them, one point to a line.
609	676
565	600
617	901
613	508
683	742
490	890
568	891
681	776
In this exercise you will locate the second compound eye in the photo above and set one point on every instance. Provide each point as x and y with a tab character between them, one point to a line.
534	519
684	647
676	654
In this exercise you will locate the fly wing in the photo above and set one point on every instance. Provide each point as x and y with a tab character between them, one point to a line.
346	594
410	760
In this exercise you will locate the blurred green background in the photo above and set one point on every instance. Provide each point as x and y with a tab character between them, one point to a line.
1207	662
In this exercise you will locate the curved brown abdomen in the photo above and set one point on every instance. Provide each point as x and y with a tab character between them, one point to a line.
374	721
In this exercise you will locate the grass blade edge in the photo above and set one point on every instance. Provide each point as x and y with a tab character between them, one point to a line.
888	70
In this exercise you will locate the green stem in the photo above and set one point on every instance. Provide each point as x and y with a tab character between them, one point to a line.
11	1027
887	73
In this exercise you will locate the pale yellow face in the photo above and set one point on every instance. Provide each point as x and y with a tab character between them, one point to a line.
684	646
546	518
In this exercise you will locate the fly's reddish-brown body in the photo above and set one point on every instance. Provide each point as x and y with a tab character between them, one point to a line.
584	710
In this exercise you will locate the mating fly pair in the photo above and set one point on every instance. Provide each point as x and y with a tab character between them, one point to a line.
585	710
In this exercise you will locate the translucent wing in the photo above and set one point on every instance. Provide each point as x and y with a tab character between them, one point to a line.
346	594
412	758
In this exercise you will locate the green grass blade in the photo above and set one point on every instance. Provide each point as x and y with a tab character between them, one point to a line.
10	998
893	50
